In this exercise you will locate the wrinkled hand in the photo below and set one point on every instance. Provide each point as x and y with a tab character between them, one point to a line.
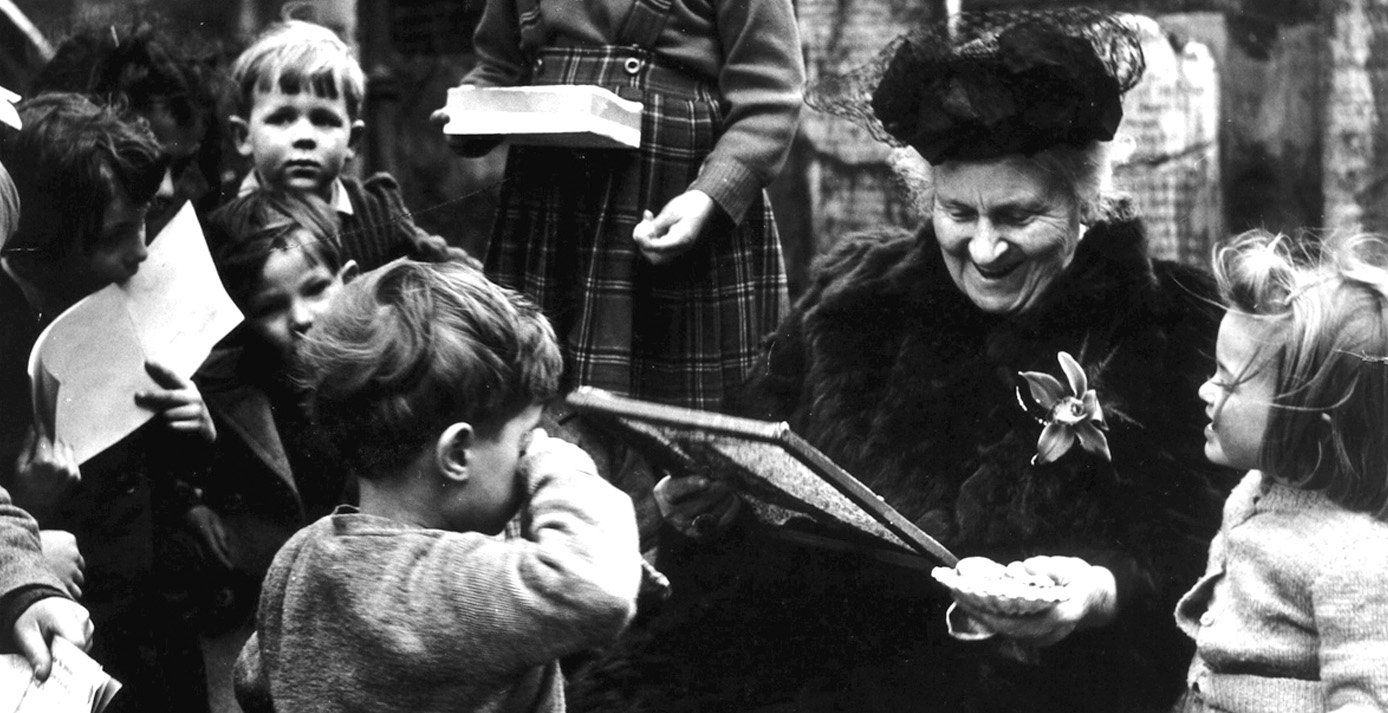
1090	599
45	472
178	403
49	617
64	560
208	526
695	505
662	238
468	145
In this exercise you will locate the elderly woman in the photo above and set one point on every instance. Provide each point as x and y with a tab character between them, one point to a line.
904	363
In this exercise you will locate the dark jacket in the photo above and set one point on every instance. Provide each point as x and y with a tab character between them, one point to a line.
271	475
889	369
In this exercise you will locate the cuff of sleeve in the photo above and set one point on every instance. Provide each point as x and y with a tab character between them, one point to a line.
13	604
963	627
730	184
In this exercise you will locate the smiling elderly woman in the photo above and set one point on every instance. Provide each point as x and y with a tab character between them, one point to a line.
1018	378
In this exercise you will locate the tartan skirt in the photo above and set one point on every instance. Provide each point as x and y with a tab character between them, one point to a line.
685	333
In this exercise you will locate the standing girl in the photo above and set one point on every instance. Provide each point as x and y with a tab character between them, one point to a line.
660	267
1292	613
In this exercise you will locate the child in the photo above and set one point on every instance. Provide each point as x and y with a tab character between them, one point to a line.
299	96
1292	613
430	381
85	175
273	473
670	307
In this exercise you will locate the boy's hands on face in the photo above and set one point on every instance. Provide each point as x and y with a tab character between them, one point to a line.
45	472
545	454
672	233
44	619
64	560
178	402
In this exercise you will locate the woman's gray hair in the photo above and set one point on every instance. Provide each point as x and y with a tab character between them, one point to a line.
1084	174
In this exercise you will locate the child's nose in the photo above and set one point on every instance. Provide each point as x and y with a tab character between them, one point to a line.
300	317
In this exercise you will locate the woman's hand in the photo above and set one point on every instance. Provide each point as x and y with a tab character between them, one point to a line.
64	560
696	505
45	472
178	402
44	619
1090	597
662	238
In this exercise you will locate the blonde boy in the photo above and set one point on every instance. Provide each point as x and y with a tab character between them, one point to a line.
299	94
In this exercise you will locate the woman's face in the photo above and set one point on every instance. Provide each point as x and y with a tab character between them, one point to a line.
1005	232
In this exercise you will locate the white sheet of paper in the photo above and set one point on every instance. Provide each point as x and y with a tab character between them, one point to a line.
174	310
76	684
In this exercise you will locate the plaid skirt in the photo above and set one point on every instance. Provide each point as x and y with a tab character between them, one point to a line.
686	333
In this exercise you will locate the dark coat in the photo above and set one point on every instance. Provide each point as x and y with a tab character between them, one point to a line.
889	369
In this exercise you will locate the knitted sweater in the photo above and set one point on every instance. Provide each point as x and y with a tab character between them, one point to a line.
24	576
1296	591
362	613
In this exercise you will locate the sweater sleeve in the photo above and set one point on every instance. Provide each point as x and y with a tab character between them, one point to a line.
569	583
496	42
24	575
1350	606
251	684
761	81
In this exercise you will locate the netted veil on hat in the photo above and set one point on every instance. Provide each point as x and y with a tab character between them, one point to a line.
988	84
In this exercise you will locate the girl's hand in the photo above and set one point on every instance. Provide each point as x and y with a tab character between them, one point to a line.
178	402
64	560
662	238
45	472
1090	598
695	505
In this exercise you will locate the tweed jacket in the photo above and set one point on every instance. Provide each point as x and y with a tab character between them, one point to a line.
889	369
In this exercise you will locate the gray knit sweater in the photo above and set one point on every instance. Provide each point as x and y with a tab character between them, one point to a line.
361	613
1292	613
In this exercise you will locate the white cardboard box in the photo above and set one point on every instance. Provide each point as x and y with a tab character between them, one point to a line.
575	115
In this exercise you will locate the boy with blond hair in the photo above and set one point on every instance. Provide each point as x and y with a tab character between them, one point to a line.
430	380
299	94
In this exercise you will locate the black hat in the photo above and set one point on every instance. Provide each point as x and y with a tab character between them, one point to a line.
983	85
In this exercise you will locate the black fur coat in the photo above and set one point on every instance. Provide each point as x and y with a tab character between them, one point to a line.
890	370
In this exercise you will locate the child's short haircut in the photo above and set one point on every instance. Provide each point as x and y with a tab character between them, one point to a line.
298	56
410	348
243	233
1328	306
67	162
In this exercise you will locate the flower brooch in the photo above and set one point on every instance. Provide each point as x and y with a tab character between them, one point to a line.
1070	416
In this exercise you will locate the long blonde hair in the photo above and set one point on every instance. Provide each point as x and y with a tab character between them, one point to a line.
1328	304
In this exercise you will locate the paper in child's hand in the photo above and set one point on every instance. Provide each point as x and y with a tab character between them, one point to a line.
76	684
174	310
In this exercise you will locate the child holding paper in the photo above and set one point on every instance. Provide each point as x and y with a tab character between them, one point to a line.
660	266
85	176
430	379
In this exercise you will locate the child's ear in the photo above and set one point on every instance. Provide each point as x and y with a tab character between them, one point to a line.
240	134
358	132
451	452
348	272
